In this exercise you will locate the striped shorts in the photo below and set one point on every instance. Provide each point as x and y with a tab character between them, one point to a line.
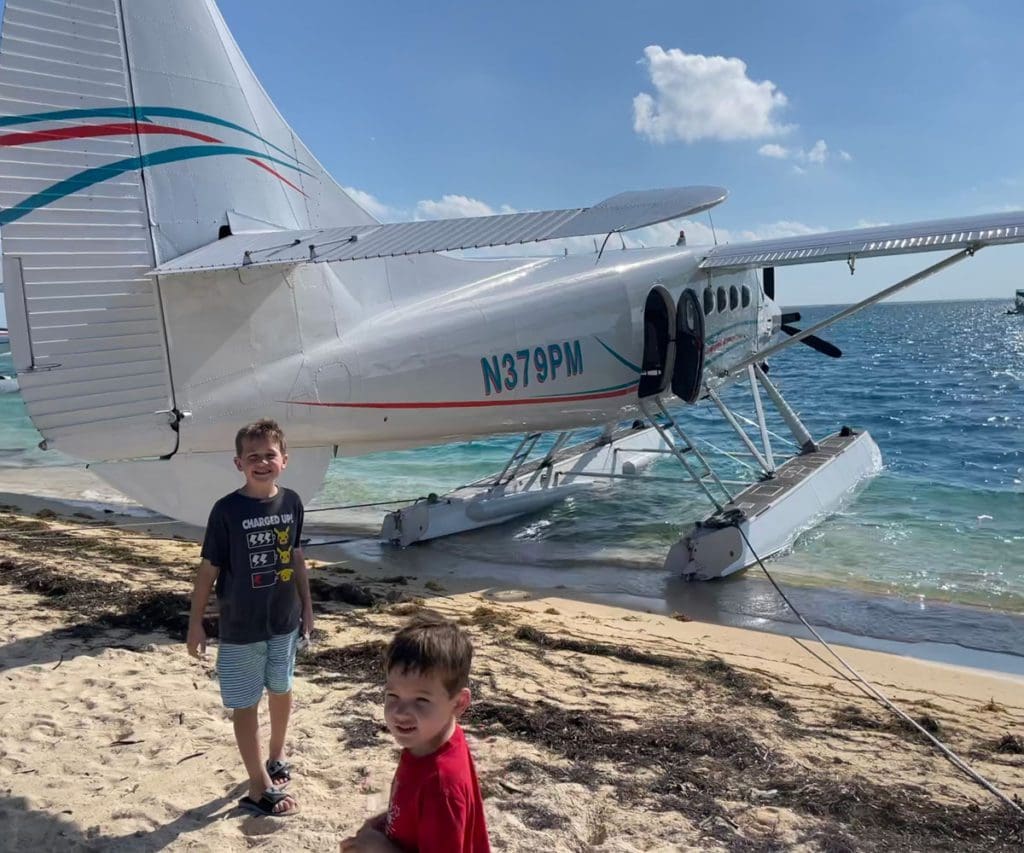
245	669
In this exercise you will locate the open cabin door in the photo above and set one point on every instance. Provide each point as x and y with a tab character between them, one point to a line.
688	370
659	345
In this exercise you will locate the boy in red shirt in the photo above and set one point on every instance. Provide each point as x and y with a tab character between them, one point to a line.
435	805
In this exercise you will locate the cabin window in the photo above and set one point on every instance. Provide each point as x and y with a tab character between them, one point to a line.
709	300
723	300
734	298
744	296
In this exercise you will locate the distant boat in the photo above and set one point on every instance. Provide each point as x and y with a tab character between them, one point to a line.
1018	307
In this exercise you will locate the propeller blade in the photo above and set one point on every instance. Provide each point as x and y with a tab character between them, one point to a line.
792	317
768	282
815	343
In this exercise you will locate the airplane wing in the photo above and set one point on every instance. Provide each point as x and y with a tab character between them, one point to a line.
971	232
623	212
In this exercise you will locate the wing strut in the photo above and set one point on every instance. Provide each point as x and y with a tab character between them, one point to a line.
758	357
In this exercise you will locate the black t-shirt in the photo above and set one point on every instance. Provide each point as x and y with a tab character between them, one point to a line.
250	540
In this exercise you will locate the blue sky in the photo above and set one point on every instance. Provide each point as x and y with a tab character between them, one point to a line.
814	116
532	105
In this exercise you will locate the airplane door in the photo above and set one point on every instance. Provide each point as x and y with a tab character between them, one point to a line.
689	357
659	321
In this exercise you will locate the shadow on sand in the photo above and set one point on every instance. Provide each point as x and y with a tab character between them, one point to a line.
24	828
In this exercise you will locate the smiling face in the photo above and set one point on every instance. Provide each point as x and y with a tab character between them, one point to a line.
262	462
418	710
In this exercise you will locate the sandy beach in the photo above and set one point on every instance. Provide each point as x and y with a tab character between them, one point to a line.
594	728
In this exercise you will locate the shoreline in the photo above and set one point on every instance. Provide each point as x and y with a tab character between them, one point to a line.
592	726
904	627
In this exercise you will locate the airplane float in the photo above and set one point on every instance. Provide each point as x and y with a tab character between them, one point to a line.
176	263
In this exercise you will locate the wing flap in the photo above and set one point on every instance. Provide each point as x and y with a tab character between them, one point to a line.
624	212
934	235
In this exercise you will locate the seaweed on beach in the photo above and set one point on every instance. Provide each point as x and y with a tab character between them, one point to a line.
353	594
109	604
488	617
714	668
629	654
358	663
852	717
538	817
45	539
359	731
694	765
674	750
1010	744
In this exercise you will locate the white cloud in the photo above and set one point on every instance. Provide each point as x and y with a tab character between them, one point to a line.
777	230
371	204
705	97
818	153
455	206
773	150
700	233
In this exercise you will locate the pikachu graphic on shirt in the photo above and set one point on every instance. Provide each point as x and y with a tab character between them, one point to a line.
284	555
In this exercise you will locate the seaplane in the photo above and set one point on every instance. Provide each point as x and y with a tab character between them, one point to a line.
177	262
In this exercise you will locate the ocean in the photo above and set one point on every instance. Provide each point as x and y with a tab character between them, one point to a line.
929	552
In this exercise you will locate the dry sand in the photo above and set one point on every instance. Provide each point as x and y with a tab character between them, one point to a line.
594	728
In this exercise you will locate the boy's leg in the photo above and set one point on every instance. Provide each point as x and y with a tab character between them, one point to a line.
278	679
280	710
247	735
241	671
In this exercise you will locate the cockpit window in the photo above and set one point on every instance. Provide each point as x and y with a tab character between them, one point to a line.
723	300
709	301
734	298
745	296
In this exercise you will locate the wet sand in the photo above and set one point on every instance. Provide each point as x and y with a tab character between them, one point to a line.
594	727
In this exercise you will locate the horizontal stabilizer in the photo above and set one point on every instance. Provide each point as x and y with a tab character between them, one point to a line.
939	234
624	212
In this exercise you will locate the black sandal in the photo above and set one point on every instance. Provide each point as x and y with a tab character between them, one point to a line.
267	803
280	772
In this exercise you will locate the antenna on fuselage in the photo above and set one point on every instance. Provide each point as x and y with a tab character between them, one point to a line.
714	236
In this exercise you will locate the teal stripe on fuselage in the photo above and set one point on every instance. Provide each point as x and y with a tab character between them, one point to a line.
139	114
103	173
618	357
581	393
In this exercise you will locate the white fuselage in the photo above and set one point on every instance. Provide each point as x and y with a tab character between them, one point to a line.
353	355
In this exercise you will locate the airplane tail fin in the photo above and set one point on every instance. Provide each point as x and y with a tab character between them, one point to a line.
131	133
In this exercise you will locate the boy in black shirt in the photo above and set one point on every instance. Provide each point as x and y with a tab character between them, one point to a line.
251	554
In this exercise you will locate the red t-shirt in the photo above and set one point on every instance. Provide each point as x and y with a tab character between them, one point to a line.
436	805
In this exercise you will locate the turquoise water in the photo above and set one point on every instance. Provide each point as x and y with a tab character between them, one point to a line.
940	386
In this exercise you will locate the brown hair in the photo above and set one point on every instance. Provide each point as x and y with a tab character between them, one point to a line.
430	644
263	428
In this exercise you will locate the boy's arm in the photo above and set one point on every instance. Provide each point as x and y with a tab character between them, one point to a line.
205	579
302	584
